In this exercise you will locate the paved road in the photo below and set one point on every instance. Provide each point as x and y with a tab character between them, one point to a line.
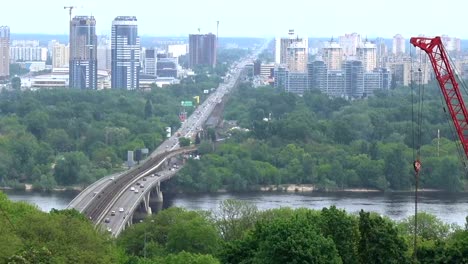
130	200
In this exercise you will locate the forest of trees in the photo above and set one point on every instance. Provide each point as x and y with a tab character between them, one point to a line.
331	143
70	137
237	232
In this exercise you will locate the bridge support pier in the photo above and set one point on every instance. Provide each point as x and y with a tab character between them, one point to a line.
157	195
146	200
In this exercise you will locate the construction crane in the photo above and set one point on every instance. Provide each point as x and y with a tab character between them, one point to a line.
70	8
448	84
453	98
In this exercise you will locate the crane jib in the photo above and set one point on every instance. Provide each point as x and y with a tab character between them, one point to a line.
448	84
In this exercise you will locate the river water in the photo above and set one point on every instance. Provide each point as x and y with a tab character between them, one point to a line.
451	208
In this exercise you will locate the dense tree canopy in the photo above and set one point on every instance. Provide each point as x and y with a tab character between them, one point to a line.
32	236
329	142
70	137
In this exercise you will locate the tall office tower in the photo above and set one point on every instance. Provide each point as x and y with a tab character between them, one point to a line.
354	78
4	52
367	53
297	55
149	62
60	55
125	53
398	47
349	43
332	55
202	50
83	49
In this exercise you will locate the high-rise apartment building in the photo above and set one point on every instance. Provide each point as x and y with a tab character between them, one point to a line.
104	58
177	50
60	55
451	44
332	55
367	53
27	50
398	47
125	45
382	52
354	78
283	44
83	53
317	75
349	43
379	79
202	50
297	55
4	52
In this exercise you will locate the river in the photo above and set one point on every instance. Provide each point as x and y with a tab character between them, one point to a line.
451	208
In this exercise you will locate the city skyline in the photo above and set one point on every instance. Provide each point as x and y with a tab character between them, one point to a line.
236	20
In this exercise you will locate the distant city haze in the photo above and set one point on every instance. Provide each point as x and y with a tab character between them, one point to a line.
247	18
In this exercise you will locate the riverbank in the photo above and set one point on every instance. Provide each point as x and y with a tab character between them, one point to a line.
30	188
287	188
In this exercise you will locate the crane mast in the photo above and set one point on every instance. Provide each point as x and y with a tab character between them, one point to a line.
448	84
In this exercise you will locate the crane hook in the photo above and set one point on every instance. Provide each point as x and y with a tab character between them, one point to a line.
417	166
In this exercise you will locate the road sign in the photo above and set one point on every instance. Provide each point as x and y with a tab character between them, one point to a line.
168	132
186	103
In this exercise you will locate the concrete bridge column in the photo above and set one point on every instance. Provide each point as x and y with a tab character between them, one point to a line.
157	195
146	201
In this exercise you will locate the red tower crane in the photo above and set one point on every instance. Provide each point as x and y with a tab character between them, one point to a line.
448	84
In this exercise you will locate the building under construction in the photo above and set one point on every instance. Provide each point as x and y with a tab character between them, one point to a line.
83	53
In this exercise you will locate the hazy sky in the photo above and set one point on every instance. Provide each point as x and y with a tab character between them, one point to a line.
313	18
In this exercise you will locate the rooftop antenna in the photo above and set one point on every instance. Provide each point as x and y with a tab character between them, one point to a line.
217	28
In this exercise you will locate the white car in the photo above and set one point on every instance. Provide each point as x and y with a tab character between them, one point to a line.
121	209
136	190
132	189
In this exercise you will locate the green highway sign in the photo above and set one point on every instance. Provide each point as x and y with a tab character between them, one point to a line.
186	103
